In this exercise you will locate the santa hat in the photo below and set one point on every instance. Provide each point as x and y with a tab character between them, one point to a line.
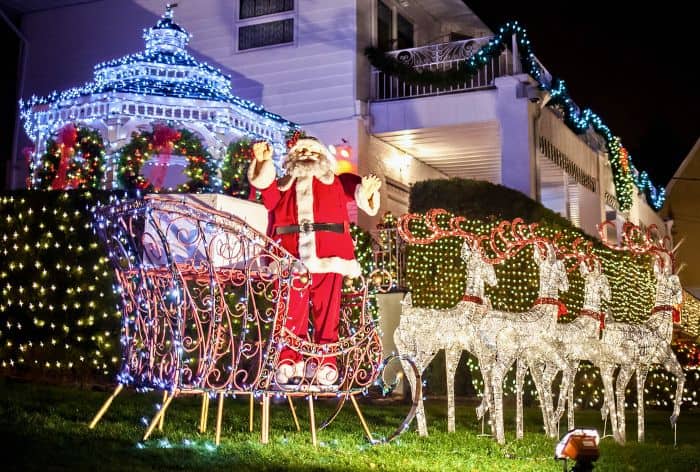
313	145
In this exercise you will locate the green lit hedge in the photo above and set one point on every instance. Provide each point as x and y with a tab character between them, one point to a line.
58	311
59	315
435	274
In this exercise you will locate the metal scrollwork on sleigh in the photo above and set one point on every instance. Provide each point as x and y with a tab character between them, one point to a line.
204	298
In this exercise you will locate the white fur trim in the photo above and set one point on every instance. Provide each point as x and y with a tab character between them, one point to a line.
307	241
364	205
265	177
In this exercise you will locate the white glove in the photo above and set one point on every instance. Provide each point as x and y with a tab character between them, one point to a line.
262	151
370	184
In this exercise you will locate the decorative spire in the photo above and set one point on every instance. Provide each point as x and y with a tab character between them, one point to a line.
169	10
167	35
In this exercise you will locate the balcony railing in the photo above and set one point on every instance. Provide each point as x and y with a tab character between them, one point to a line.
441	57
389	252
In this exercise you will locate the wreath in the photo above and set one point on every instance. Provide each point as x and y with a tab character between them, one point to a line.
74	159
161	143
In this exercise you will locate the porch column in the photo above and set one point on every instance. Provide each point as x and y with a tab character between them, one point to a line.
517	139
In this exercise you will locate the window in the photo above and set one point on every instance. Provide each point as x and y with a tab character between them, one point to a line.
254	8
384	29
404	33
264	23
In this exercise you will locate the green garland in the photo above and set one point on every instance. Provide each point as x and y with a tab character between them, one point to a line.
578	120
201	167
86	167
235	168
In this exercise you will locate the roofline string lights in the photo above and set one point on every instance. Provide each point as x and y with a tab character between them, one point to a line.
579	120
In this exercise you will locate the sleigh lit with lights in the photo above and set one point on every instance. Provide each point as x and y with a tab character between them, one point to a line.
204	298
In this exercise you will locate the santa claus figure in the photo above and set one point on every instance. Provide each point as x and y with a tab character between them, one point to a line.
309	217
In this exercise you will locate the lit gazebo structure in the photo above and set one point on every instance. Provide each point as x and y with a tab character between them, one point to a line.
164	83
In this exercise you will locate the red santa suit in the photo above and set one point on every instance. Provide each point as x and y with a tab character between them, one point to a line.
328	255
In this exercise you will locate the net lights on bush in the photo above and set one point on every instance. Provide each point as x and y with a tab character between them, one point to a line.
58	311
637	291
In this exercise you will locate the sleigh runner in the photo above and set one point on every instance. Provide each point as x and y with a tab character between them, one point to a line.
204	302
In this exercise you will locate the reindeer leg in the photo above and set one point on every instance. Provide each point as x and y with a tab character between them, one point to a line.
571	381
422	359
451	360
672	365
608	408
559	364
497	384
623	378
538	377
642	371
521	370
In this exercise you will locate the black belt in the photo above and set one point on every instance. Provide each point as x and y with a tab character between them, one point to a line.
309	227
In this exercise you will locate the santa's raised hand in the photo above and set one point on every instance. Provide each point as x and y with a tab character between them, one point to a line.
369	185
262	151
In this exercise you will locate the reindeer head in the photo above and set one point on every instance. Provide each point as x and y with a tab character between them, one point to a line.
597	288
553	278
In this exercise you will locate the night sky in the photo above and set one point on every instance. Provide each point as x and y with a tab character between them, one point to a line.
633	66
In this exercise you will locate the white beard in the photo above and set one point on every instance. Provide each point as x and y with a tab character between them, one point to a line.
297	168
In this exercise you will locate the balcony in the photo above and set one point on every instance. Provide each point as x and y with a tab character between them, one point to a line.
442	57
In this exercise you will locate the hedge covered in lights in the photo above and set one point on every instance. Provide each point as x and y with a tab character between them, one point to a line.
58	311
59	316
436	276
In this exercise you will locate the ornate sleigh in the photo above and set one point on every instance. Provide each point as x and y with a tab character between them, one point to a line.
204	301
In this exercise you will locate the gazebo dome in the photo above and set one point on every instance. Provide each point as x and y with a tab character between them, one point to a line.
162	83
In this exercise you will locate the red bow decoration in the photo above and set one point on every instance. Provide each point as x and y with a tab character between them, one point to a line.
67	138
164	138
294	138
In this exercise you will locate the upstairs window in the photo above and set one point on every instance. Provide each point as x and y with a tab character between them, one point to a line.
254	8
264	23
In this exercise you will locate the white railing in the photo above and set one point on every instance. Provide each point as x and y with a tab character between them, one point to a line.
389	252
442	57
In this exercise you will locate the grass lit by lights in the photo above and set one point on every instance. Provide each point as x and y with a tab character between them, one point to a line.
44	428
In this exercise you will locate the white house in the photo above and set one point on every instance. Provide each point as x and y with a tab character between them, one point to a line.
304	60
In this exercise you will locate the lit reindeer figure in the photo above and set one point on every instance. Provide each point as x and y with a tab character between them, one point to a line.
422	332
636	347
526	337
580	340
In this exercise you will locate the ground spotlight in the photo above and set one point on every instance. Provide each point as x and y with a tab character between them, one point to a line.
581	446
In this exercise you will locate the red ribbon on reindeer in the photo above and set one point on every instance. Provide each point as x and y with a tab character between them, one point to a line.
675	312
164	138
553	301
598	316
67	139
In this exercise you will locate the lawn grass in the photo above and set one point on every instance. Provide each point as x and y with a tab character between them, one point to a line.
44	428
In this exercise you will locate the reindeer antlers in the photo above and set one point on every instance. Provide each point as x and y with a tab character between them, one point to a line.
640	242
435	232
506	239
